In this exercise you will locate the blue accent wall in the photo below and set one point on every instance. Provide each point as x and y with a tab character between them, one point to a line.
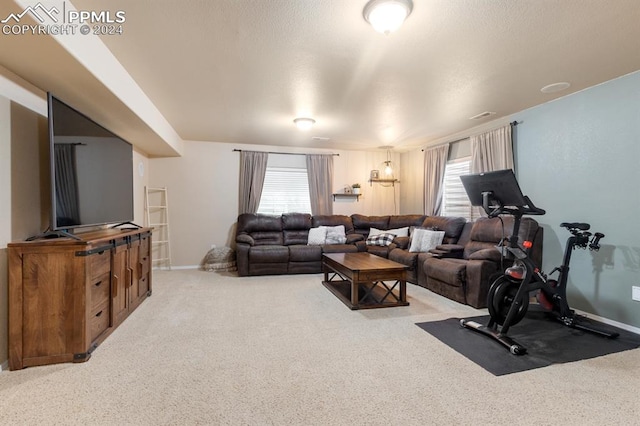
578	157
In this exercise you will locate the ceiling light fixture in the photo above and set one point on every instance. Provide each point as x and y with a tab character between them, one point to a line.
555	87
304	123
386	16
388	165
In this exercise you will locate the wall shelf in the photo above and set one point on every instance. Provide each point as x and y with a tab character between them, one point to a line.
344	195
391	181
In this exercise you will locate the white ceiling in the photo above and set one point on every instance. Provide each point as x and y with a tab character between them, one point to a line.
240	71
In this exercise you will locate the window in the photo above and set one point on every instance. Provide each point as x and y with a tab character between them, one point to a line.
286	190
454	198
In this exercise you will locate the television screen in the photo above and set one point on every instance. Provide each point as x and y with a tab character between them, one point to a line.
91	171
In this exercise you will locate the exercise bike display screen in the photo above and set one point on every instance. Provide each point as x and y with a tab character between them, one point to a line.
502	185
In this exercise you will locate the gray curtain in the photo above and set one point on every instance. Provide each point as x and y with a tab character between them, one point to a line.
435	163
320	173
66	176
492	150
253	167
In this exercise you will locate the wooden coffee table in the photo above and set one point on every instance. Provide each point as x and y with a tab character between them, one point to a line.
360	280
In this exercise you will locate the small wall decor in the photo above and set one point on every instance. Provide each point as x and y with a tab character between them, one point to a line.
375	174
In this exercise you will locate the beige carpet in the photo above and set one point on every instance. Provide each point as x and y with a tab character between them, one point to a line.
211	348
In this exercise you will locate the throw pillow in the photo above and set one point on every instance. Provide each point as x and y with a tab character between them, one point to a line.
383	239
317	236
335	234
424	240
398	232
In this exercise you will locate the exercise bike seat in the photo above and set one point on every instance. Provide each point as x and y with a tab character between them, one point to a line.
576	225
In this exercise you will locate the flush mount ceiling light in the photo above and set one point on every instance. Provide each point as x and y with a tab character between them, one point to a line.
386	16
555	87
304	123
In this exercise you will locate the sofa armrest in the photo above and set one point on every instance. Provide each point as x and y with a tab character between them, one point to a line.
492	254
402	242
448	251
246	239
354	238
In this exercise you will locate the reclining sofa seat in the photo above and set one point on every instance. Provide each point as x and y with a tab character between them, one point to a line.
452	227
275	245
463	272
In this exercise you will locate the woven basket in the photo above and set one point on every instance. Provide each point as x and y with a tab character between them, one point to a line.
221	259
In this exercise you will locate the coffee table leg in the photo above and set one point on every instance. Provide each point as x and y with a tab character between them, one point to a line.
403	291
354	293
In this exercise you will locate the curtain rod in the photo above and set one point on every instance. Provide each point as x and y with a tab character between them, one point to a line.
513	124
283	153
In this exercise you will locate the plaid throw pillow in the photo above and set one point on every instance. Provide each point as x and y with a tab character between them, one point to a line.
383	239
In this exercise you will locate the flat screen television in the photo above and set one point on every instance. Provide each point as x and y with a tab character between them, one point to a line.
91	171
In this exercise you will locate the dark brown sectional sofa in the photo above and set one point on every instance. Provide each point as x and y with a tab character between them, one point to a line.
459	269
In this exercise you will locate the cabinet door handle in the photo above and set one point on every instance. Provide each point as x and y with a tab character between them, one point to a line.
129	278
114	288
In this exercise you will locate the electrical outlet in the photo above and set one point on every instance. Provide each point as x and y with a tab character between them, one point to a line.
635	293
214	246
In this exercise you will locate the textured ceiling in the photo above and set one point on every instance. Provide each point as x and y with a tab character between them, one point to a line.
240	71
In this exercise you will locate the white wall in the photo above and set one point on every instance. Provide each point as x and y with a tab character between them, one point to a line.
5	221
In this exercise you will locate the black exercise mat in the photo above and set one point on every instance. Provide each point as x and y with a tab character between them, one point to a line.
547	342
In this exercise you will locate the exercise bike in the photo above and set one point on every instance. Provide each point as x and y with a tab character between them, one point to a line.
508	297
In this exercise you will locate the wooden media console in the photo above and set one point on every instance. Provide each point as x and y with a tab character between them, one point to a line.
66	295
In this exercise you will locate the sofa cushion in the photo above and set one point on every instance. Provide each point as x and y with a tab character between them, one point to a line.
382	251
295	237
264	229
269	254
362	223
402	242
267	238
339	248
296	221
449	271
492	254
304	253
406	220
488	232
452	227
249	223
333	220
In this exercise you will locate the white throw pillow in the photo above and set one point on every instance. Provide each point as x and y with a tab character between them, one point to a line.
424	240
317	236
398	232
335	234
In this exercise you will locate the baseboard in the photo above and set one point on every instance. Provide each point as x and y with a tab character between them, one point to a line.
4	366
177	268
608	321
